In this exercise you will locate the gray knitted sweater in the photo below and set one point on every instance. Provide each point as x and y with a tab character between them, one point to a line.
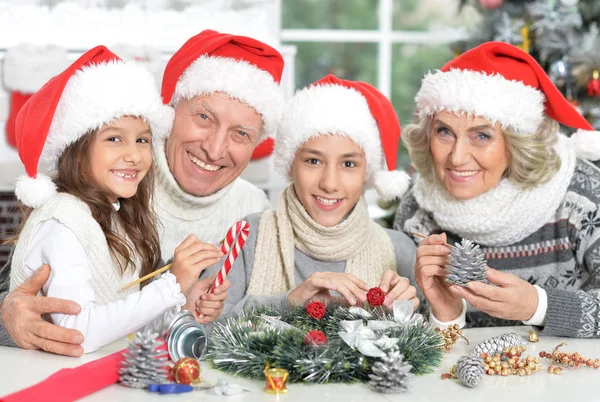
562	257
305	265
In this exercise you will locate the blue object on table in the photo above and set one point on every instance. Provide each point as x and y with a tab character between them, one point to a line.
170	388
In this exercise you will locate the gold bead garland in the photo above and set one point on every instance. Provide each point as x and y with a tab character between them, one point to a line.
450	335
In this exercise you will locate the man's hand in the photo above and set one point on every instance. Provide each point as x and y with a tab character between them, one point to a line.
21	315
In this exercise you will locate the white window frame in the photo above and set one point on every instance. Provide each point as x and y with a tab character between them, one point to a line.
384	37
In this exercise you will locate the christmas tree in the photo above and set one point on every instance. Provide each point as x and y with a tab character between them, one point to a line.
562	35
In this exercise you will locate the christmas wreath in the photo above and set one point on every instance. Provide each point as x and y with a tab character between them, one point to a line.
344	344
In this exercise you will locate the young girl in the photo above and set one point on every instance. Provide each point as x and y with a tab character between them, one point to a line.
93	224
336	138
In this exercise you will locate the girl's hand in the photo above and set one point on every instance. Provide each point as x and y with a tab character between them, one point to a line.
512	298
397	287
191	258
319	285
429	275
210	305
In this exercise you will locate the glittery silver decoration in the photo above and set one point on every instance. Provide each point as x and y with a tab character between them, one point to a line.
144	364
466	264
469	370
391	374
497	344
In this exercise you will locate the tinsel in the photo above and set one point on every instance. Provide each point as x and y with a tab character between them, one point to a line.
497	344
466	264
244	346
144	362
391	374
469	370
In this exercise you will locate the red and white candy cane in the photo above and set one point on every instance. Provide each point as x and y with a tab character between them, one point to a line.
234	240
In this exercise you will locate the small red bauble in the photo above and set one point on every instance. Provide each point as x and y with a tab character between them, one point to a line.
316	310
315	337
186	371
593	87
491	4
375	297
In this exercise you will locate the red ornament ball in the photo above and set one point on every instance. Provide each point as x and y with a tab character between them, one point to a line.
593	87
491	4
375	297
186	371
315	337
316	310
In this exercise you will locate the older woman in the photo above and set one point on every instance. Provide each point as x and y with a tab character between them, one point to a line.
494	169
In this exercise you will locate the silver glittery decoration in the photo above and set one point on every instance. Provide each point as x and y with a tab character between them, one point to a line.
555	26
466	264
508	30
497	344
469	370
144	364
391	374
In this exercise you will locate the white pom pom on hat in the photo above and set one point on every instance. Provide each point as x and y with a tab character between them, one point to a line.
355	110
34	192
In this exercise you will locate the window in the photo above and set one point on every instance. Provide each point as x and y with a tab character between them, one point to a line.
389	43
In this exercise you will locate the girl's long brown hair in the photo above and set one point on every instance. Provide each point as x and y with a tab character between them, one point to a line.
135	216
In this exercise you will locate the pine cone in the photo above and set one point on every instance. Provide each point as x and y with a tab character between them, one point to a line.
145	361
391	374
466	264
497	344
469	370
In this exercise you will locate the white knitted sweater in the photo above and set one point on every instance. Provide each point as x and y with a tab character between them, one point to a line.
209	218
76	216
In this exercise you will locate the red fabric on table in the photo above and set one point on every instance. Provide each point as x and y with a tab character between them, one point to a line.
71	384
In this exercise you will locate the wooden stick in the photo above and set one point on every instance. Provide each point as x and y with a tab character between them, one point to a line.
422	236
153	274
150	275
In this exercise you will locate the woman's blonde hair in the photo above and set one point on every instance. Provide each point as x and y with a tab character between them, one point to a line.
533	159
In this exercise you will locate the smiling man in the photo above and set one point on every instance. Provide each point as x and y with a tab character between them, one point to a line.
226	95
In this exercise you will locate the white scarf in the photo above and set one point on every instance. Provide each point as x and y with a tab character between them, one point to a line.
503	215
359	241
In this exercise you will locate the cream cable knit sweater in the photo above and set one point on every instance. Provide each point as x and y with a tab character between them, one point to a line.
209	218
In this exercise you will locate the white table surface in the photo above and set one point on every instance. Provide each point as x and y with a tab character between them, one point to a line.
20	369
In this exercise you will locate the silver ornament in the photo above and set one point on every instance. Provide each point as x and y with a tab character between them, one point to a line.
391	374
144	364
469	370
466	264
497	344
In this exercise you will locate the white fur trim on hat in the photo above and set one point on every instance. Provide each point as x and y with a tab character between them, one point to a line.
34	192
238	79
328	109
101	93
508	102
587	144
391	184
28	67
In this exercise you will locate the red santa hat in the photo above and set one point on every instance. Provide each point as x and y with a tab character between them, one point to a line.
355	110
503	84
95	90
241	67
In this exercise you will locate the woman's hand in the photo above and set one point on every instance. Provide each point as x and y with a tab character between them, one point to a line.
191	258
512	298
429	275
397	287
319	285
